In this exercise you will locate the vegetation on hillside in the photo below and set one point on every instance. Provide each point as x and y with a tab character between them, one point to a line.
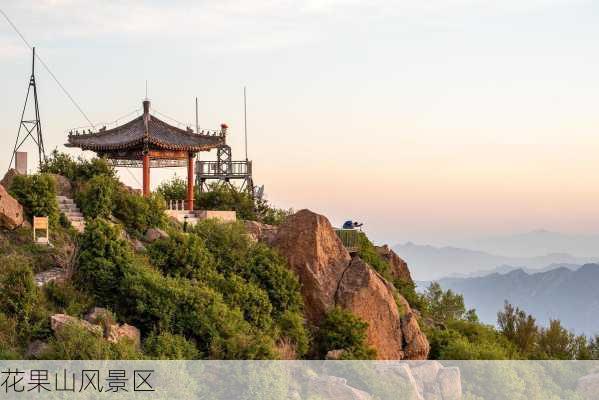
209	291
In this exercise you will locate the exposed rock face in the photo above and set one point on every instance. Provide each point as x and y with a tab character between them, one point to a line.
153	234
110	330
11	212
331	387
363	291
63	185
330	278
317	256
399	268
450	383
588	386
8	178
116	333
259	232
59	321
416	346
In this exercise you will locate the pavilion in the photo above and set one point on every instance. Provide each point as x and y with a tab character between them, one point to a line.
148	142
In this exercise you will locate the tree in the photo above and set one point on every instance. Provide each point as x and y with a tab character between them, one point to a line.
555	342
342	330
96	196
443	306
518	327
37	195
175	189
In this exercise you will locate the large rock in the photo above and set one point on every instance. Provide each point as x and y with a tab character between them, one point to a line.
331	387
8	178
416	346
588	386
63	185
259	232
450	383
59	321
11	212
329	278
116	333
398	267
154	234
313	250
366	294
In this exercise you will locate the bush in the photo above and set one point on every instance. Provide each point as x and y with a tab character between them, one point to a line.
96	196
225	197
37	195
167	346
76	170
18	293
66	299
139	213
74	342
104	258
182	255
175	189
342	330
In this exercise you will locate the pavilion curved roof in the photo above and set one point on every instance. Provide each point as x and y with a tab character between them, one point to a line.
132	135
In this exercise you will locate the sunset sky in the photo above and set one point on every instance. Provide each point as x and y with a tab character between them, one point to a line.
430	121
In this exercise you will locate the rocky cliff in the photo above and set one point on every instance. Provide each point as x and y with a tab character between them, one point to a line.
330	277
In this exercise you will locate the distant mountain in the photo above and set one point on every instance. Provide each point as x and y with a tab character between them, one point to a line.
568	295
537	242
429	262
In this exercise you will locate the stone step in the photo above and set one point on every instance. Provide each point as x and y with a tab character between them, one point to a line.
75	218
73	214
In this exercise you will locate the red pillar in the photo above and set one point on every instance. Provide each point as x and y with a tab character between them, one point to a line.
190	178
146	175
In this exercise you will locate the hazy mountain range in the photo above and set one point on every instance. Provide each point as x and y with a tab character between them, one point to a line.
567	294
429	262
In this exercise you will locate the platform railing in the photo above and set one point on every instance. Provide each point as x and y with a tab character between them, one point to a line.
349	238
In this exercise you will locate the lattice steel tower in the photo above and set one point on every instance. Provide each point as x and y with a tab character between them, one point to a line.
32	127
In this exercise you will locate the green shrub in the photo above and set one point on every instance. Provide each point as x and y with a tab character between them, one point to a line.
96	196
74	342
139	213
182	255
175	189
292	325
342	330
225	197
9	338
37	195
66	299
167	346
18	293
76	170
104	258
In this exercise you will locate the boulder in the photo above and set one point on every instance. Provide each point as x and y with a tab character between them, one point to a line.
335	354
154	234
9	177
63	185
99	316
588	386
398	267
416	346
313	250
116	333
331	387
450	383
259	232
59	321
366	294
137	245
11	212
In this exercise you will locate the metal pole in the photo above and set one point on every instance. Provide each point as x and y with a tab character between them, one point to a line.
197	123
245	122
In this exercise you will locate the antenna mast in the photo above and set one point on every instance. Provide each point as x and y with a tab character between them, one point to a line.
197	123
245	123
32	127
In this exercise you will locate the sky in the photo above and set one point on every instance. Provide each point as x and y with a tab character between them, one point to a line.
432	121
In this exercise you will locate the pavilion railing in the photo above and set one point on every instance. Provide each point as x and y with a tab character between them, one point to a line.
217	169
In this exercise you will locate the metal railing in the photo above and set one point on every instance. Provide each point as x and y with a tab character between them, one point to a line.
349	238
216	168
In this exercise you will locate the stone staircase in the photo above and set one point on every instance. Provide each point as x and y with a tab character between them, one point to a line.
71	211
183	215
